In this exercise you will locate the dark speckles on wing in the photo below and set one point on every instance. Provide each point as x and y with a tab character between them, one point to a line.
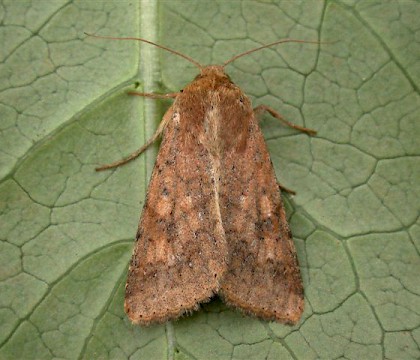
167	276
263	277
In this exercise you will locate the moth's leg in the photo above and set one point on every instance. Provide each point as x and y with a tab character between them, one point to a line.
263	108
154	96
284	188
166	118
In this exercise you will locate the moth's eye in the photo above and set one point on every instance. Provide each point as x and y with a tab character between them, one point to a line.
181	91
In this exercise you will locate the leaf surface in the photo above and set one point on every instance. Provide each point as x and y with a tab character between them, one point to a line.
67	232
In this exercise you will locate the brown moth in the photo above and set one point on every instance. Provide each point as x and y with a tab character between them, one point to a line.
213	221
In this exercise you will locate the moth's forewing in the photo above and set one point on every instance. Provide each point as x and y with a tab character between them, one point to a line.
180	253
263	276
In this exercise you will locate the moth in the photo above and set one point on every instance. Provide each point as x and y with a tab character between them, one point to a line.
213	221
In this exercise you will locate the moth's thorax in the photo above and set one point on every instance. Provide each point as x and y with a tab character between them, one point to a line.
215	110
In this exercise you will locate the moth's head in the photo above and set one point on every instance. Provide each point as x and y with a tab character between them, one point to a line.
213	71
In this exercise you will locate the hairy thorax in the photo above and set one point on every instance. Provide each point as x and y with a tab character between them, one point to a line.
216	109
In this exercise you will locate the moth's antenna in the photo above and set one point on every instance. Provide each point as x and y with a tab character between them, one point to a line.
191	60
269	45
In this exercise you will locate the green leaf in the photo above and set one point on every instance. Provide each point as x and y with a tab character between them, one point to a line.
67	231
